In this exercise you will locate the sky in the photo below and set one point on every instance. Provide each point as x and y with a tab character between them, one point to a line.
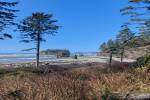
85	23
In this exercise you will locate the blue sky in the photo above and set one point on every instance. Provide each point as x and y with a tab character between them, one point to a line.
85	23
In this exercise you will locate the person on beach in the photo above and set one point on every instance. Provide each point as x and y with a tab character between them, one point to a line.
75	57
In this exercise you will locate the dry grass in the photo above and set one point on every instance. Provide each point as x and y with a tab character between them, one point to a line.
84	83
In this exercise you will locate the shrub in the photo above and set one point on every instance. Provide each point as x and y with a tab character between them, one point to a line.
144	60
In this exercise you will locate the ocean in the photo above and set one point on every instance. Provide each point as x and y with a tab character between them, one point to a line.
22	57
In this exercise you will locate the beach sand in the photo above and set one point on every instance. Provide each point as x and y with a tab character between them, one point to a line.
64	61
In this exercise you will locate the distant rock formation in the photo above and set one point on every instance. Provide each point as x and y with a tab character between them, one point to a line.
57	52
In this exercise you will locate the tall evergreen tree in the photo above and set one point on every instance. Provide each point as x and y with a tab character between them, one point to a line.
7	15
139	12
124	40
34	27
112	49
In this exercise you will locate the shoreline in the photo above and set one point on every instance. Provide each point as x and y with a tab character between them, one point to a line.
63	61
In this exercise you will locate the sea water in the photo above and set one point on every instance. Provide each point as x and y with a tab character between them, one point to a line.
23	57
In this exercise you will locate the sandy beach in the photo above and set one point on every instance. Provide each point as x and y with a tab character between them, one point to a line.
64	61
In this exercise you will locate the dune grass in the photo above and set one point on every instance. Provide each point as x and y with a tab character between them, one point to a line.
84	83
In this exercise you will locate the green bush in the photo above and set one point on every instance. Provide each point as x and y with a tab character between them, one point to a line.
144	60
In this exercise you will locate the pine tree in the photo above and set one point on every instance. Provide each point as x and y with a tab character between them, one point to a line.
112	49
34	27
138	11
124	39
7	15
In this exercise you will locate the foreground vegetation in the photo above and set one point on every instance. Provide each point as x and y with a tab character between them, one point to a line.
86	82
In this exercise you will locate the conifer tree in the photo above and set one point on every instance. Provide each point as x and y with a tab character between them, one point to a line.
7	15
34	27
124	39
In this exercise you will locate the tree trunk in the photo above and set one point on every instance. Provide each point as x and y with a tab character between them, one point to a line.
110	59
122	55
38	50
